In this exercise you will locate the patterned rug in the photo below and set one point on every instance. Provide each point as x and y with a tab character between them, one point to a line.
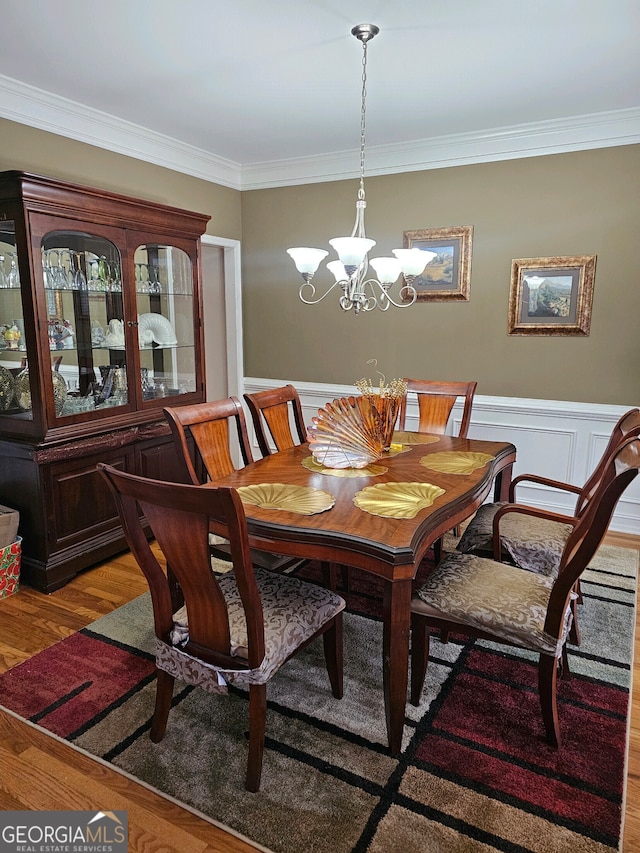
475	773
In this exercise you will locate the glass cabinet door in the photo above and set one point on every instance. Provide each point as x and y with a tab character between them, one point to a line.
15	394
82	276
165	303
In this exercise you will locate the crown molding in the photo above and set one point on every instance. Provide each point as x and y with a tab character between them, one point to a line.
577	133
34	107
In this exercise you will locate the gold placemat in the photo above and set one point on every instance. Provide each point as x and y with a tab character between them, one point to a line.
397	500
370	471
455	462
400	437
301	499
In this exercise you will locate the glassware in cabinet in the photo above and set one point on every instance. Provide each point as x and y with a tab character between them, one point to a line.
82	274
13	338
165	303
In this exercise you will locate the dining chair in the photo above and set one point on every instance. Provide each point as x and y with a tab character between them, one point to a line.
270	412
435	404
533	539
202	438
237	628
484	598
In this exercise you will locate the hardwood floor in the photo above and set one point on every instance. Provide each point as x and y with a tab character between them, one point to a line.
40	772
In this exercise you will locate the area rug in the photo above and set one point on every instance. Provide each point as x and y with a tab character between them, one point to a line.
475	773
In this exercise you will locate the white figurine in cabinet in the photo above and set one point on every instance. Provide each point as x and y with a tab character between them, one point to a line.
97	334
154	328
114	336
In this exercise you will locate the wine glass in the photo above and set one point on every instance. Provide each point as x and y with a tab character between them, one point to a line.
4	280
14	274
79	278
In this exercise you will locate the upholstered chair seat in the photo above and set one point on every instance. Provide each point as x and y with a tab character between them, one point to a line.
293	610
532	543
494	597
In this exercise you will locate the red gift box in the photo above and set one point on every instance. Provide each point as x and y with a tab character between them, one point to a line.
10	560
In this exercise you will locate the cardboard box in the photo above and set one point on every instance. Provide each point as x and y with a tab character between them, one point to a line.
9	520
10	562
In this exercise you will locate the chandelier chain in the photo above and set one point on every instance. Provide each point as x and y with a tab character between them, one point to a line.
363	114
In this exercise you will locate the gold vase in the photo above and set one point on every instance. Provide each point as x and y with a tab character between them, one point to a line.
385	409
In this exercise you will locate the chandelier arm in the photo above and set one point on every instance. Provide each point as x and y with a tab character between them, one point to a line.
408	292
346	304
407	289
311	300
355	290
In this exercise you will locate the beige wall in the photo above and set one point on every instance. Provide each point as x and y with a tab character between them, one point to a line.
30	150
569	204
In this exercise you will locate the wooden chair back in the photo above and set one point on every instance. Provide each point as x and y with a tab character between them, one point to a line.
201	435
270	412
435	404
178	515
208	426
586	537
627	426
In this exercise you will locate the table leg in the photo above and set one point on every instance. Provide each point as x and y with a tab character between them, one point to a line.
501	484
395	657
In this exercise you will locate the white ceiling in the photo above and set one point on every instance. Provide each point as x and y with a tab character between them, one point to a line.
262	92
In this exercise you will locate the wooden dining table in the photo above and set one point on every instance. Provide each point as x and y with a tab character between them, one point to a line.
391	548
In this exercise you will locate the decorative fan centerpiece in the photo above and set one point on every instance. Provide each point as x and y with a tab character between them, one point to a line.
385	400
352	432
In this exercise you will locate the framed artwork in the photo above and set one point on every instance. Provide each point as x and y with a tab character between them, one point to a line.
446	277
551	296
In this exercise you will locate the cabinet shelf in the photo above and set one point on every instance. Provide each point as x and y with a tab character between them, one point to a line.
80	276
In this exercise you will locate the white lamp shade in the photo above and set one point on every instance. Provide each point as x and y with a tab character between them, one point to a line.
338	270
413	261
307	260
387	269
352	250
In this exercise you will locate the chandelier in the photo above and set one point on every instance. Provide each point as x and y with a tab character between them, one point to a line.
360	291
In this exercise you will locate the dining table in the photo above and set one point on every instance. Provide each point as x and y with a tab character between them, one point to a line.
380	519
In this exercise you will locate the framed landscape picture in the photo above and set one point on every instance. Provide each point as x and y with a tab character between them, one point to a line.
551	296
447	276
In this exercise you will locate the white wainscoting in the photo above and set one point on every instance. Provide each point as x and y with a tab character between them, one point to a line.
556	439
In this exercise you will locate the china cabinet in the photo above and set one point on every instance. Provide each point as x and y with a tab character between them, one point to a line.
100	328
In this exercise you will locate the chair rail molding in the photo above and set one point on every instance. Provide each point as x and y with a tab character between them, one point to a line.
554	438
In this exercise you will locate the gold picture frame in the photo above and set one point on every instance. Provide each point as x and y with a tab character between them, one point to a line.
448	276
551	296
